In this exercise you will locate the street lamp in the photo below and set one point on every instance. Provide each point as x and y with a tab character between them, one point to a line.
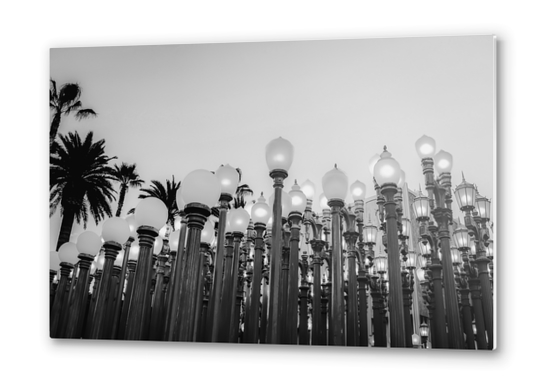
387	173
67	254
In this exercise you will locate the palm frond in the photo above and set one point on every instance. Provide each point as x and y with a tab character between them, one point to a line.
84	113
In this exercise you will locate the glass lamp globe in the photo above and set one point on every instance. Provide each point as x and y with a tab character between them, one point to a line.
490	248
425	249
201	186
421	274
179	199
472	247
260	212
151	212
335	184
174	240
323	202
68	253
372	162
456	256
443	162
465	195
299	200
228	178
357	190
406	226
415	340
369	234
402	179
116	229
134	252
286	202
387	169
158	244
421	207
74	236
89	242
130	219
462	237
424	330
238	220
54	261
381	264
208	232
483	207
279	154
309	189
426	147
411	259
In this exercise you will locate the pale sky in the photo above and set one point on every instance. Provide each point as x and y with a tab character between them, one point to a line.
176	108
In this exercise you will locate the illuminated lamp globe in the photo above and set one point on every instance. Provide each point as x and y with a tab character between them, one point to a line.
208	232
421	274
426	147
402	179
381	264
387	169
286	203
421	207
130	219
472	247
465	195
335	184
151	212
228	178
483	207
89	242
238	220
444	162
369	234
490	248
461	237
416	340
54	261
372	162
456	256
299	200
425	248
74	236
279	154
406	226
424	330
158	244
357	190
134	252
174	240
248	207
323	201
201	186
116	229
260	212
68	253
412	257
179	199
309	189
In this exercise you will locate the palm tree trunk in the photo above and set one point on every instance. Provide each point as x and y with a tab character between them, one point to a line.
122	195
65	227
54	127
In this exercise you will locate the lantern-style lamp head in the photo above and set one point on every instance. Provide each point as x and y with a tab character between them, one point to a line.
483	207
411	260
335	184
357	190
309	189
228	178
68	253
426	147
279	154
54	261
238	219
299	200
116	229
201	186
369	234
425	249
456	256
208	231
443	162
381	264
134	252
151	212
424	330
421	207
372	162
421	274
89	242
130	219
387	169
490	248
286	202
462	237
465	194
158	244
406	226
260	211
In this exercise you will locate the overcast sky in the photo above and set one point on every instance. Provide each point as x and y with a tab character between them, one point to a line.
175	108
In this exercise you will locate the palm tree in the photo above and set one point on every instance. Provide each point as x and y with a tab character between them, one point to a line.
63	103
80	182
127	176
242	191
167	194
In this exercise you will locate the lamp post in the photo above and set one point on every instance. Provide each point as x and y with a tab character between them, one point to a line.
150	214
335	185
229	179
260	213
67	254
207	236
424	333
54	265
279	155
387	173
132	264
201	190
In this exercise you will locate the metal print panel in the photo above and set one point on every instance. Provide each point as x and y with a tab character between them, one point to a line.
336	192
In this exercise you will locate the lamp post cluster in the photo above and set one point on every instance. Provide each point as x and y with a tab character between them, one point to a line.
283	273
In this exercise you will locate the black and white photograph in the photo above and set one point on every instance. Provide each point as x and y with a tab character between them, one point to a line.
337	192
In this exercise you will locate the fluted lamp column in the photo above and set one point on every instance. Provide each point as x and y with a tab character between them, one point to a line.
201	190
387	173
67	254
150	214
279	154
358	190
